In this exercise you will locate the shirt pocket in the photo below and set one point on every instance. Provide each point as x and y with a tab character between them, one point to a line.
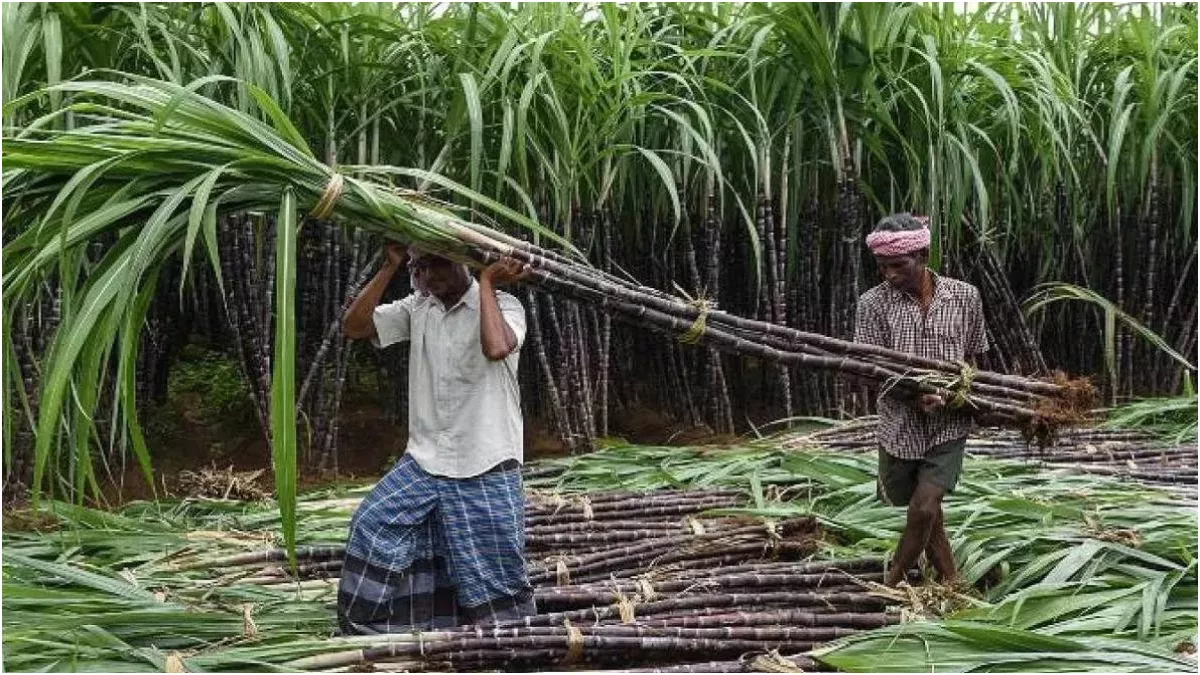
949	333
468	365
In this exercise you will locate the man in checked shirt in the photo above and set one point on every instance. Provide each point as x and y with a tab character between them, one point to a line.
921	442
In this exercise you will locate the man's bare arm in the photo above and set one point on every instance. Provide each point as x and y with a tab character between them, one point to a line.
495	335
359	321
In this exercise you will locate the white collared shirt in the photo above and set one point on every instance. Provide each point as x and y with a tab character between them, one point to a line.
464	410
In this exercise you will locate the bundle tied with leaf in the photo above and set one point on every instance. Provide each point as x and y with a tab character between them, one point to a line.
149	166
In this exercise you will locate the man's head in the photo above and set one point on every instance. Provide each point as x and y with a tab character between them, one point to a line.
441	277
900	243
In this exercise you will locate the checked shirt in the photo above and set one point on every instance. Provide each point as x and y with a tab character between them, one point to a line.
953	330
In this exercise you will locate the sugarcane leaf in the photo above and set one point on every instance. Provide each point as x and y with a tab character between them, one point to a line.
209	226
84	578
664	174
283	385
475	119
1056	292
196	218
127	376
83	229
1007	639
1074	561
64	352
756	490
283	124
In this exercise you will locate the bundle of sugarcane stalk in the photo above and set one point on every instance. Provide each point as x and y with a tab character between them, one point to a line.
623	579
1037	406
1128	454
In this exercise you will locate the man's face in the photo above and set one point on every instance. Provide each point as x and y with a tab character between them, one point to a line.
439	276
902	272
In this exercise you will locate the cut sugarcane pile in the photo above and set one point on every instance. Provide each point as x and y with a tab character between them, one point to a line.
626	579
214	483
1131	455
1094	572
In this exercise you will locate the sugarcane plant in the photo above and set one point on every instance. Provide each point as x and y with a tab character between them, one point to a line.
164	121
645	135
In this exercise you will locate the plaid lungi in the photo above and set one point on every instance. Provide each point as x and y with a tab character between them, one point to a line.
428	552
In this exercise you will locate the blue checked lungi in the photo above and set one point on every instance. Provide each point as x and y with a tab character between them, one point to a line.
428	552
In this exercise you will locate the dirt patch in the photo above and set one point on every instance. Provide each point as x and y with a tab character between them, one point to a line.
639	424
196	455
25	519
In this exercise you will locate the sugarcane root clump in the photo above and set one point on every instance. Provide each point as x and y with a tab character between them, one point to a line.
929	601
214	483
1072	407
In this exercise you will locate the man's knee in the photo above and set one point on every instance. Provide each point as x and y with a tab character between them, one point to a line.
924	509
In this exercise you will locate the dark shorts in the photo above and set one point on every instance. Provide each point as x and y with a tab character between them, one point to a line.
898	478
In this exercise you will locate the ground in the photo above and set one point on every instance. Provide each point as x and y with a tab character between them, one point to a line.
184	440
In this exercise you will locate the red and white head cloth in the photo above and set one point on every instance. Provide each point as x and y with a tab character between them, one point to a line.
900	242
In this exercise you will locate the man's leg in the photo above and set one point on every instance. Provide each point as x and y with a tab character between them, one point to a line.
483	519
942	468
924	509
387	582
938	550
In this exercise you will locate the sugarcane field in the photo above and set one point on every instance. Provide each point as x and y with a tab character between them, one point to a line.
599	337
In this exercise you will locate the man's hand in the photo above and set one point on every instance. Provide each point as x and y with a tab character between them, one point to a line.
358	323
397	255
505	271
931	403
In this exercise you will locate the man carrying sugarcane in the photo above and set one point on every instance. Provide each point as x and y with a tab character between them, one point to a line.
440	541
921	442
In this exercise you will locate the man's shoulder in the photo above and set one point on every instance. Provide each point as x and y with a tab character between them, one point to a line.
416	300
958	287
409	302
875	294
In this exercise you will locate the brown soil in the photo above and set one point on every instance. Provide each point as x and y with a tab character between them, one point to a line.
183	441
26	519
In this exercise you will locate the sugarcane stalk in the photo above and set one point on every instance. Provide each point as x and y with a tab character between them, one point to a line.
605	328
852	601
666	323
558	410
341	357
560	598
228	242
592	287
586	402
313	553
334	327
791	617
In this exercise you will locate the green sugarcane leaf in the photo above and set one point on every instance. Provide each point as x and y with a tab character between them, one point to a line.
283	124
664	173
84	577
283	384
475	118
196	217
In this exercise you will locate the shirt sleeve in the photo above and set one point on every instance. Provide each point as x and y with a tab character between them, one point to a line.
514	316
393	321
977	341
868	326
